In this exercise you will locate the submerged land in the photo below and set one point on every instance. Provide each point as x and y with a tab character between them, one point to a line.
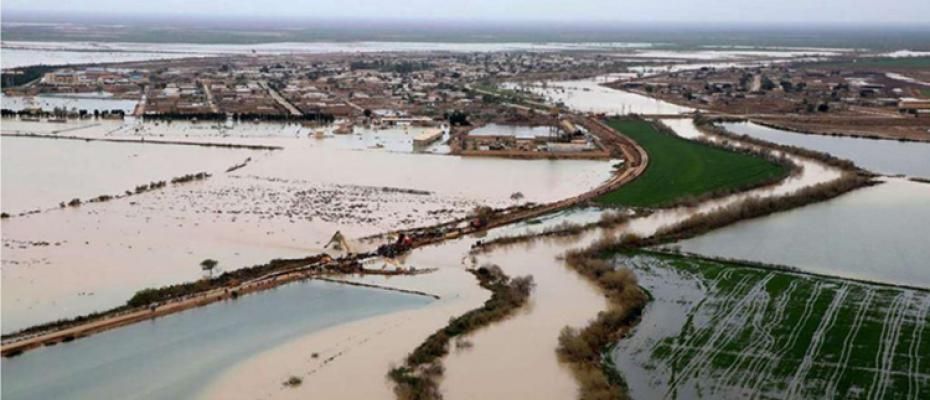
468	220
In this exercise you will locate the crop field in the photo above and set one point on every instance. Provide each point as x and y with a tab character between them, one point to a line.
680	168
719	329
892	62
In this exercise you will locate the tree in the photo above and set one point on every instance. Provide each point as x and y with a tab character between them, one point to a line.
208	266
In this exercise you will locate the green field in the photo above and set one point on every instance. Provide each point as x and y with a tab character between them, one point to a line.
742	329
899	62
680	168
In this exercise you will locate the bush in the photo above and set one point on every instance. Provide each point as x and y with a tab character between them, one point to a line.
293	381
417	378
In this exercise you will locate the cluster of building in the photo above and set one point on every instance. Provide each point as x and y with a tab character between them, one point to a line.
561	139
778	89
124	83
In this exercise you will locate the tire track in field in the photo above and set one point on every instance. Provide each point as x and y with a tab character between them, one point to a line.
816	342
762	346
846	353
792	336
682	350
723	334
758	365
913	351
888	345
776	319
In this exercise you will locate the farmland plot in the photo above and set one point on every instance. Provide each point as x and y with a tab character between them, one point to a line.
717	329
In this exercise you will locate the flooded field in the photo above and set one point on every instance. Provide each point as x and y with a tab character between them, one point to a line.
870	234
39	174
22	57
122	363
719	330
341	340
89	102
283	203
587	95
25	53
881	156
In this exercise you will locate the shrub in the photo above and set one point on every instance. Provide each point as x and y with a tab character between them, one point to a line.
293	381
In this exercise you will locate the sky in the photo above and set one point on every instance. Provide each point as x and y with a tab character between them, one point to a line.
911	12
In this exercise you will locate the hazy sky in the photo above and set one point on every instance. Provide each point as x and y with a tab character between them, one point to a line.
746	11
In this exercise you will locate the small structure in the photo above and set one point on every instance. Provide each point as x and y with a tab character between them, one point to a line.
914	106
338	243
427	137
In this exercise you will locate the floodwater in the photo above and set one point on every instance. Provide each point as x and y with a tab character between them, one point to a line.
175	356
524	342
23	53
284	203
881	156
22	57
89	102
40	173
587	95
872	233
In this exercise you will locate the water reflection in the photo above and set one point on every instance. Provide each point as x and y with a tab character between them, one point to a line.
882	156
174	356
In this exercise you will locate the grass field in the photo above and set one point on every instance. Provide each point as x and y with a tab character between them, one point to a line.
680	168
899	62
775	334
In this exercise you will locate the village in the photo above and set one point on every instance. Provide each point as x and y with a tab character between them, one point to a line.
829	98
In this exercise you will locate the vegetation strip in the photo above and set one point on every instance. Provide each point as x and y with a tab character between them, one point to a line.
382	287
584	349
682	169
156	302
139	189
709	125
418	377
564	229
143	141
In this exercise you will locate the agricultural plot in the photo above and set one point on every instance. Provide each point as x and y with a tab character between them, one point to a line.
726	330
680	168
